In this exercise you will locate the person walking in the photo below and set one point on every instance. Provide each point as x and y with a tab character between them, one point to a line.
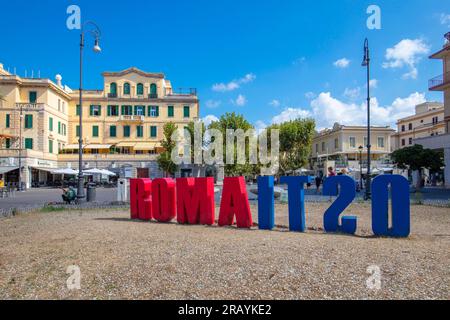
318	181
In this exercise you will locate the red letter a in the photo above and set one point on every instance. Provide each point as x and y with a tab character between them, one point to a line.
140	201
235	202
195	200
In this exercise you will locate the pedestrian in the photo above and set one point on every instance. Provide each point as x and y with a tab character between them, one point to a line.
331	172
318	181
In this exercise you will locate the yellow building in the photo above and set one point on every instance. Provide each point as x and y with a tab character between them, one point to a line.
428	121
122	123
339	148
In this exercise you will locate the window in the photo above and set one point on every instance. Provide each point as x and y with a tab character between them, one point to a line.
153	111
126	88
28	121
7	143
95	111
113	131
153	91
403	142
59	127
95	131
64	131
50	146
59	104
63	107
113	89
32	96
170	111
380	142
8	120
77	131
28	143
365	141
113	111
153	131
139	110
186	111
403	127
139	131
352	142
140	89
410	127
336	143
77	112
435	120
126	131
50	124
410	141
127	110
317	147
323	146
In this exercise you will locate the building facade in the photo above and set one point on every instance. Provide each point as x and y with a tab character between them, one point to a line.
122	124
428	121
441	83
345	147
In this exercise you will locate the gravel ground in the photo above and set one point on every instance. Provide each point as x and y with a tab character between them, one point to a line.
124	259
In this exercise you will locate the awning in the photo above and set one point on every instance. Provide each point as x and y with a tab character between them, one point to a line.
143	146
7	169
71	146
44	169
89	146
126	144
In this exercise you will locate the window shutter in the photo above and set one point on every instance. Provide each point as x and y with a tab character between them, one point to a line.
157	111
8	120
108	112
123	110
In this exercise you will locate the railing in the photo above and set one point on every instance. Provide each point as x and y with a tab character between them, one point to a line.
153	96
112	95
439	81
185	92
131	118
30	106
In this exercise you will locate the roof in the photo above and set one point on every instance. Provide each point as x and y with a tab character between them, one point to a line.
133	70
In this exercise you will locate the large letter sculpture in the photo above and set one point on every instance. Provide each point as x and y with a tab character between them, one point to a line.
235	202
195	200
296	197
345	188
163	199
140	199
400	206
266	212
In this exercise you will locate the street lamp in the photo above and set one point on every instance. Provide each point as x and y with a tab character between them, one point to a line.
19	187
95	32
360	167
366	63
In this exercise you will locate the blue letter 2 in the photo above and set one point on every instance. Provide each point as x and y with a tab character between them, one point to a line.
347	192
296	197
400	206
266	213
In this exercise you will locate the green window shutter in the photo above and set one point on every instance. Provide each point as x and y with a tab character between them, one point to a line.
108	112
170	111
186	112
157	111
135	110
77	110
8	120
50	123
99	110
139	131
28	121
77	133
91	110
59	128
113	88
32	96
50	146
8	143
122	111
28	143
95	131
126	131
112	131
153	132
126	88
140	89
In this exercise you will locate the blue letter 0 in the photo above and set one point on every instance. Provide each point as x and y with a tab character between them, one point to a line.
296	197
266	215
347	193
400	206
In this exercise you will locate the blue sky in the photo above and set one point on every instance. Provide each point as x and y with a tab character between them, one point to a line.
269	60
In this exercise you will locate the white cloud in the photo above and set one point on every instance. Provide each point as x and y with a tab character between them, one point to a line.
342	63
208	119
234	84
310	95
445	19
373	83
275	103
353	93
299	61
406	53
260	125
212	104
290	114
240	101
327	110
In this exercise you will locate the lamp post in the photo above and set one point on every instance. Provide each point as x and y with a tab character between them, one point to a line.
360	167
95	32
19	187
366	63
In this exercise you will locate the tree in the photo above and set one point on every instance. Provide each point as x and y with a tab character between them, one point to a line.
417	158
234	121
164	160
295	142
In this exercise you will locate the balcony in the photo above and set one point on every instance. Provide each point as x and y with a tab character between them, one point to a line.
132	118
153	96
112	95
439	83
184	92
30	106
